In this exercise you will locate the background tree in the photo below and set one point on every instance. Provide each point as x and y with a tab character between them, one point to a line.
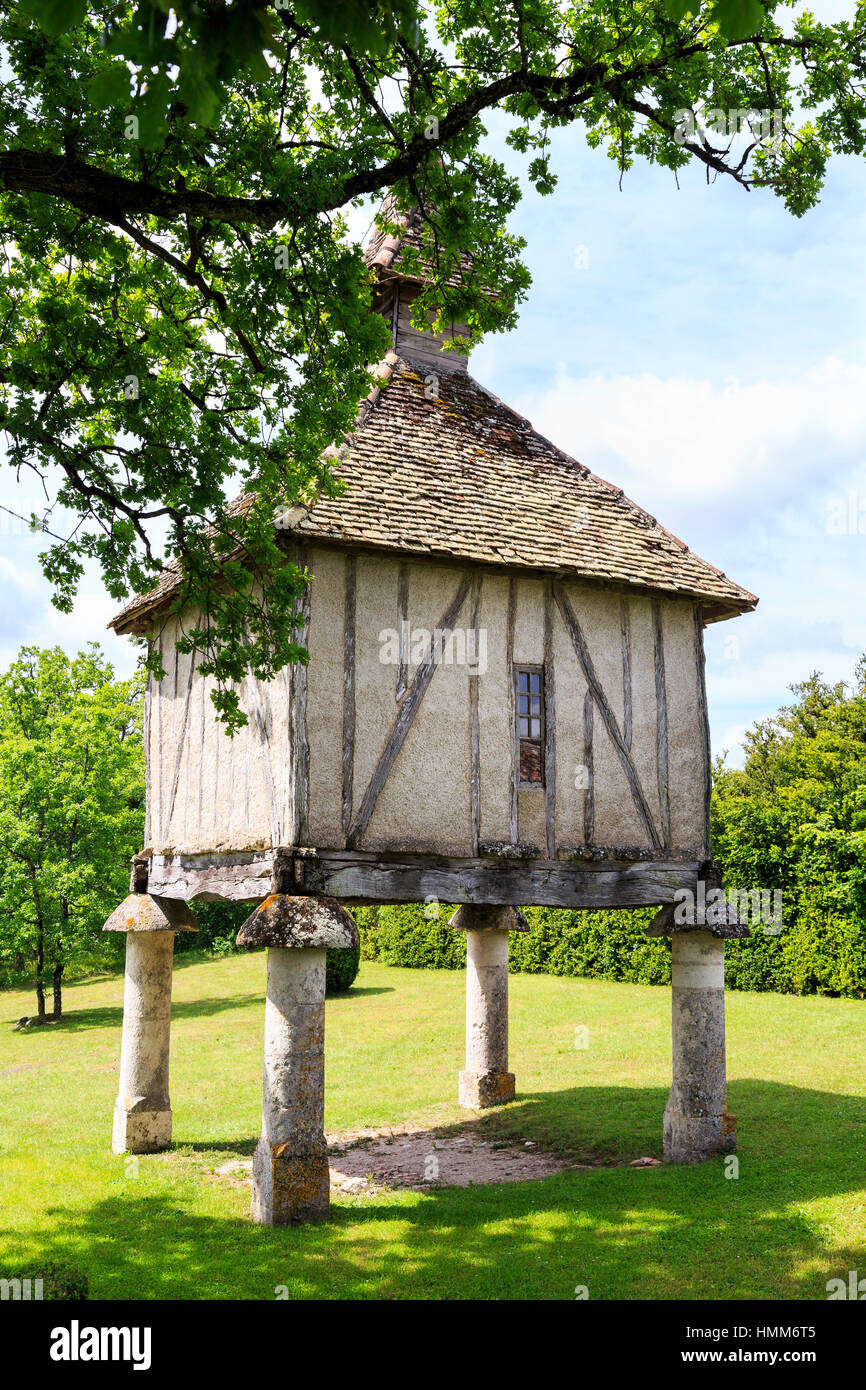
794	818
182	316
71	807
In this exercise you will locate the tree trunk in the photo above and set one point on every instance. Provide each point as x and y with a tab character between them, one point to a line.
40	966
57	960
56	978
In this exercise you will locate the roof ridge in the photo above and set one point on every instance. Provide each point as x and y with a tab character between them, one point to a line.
384	370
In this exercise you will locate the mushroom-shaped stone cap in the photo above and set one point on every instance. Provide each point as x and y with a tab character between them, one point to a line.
484	917
283	920
144	912
721	919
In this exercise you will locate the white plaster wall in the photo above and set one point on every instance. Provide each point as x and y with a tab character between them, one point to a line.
325	695
569	695
598	612
685	732
494	711
376	707
223	800
643	700
425	803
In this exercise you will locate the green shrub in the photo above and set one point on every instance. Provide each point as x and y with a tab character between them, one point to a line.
820	953
341	968
599	945
824	951
218	925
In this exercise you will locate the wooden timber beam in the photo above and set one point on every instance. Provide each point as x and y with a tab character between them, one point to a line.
368	877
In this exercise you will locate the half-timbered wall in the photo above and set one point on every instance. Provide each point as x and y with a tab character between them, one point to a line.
363	751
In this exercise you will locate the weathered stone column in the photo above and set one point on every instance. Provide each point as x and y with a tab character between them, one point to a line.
142	1113
696	1120
291	1181
486	1079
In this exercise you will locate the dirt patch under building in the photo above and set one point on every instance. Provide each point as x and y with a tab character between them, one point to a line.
422	1159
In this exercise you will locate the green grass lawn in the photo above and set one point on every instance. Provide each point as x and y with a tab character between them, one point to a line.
163	1226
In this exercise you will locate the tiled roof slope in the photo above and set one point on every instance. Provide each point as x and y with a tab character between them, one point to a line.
462	476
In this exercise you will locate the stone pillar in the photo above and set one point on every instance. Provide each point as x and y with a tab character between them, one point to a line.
291	1180
142	1113
486	1079
290	1169
696	1121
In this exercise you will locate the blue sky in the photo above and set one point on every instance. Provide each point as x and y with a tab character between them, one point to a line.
710	359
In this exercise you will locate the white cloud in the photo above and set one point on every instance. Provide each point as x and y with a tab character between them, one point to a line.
33	621
685	441
27	581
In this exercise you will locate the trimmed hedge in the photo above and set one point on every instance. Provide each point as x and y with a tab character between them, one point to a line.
411	934
599	945
608	946
820	952
820	949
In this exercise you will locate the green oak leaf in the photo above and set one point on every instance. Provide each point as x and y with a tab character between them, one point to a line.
737	18
200	96
55	16
110	87
678	9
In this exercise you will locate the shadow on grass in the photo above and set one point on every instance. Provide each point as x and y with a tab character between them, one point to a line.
654	1233
798	1128
358	990
111	1016
245	1148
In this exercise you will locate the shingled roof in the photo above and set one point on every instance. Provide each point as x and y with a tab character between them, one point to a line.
385	252
462	476
458	475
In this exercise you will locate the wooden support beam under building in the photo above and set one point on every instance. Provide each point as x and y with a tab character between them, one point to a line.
355	876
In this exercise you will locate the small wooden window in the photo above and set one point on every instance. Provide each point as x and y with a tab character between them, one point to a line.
530	724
